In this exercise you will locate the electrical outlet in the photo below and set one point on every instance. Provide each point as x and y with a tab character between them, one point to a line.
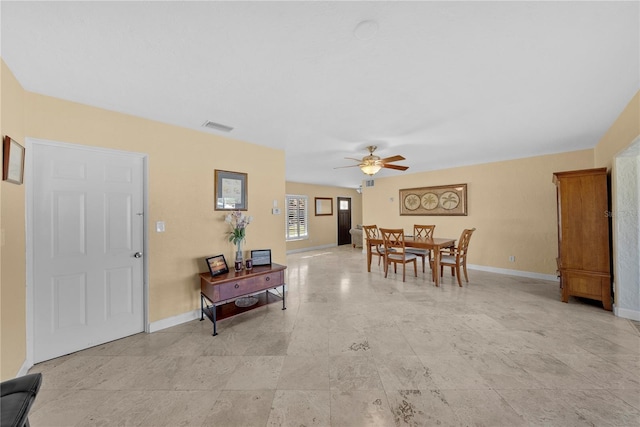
275	211
512	258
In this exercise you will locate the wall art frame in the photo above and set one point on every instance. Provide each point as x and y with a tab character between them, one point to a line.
13	164
230	191
324	206
441	200
217	265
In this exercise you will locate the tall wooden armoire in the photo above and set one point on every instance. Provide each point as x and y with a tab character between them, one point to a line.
583	235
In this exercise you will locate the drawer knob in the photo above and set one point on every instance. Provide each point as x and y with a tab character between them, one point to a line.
236	286
268	278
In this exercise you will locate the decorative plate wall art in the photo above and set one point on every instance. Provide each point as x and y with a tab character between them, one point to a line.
440	200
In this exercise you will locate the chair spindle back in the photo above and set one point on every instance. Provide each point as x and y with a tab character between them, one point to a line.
423	231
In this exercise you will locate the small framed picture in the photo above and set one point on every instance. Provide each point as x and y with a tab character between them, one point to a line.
217	265
13	167
261	257
324	206
230	191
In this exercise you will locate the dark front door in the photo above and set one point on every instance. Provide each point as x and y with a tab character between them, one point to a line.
344	220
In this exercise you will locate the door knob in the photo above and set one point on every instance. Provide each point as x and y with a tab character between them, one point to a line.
137	255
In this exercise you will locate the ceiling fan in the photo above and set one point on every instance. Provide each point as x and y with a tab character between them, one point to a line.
372	164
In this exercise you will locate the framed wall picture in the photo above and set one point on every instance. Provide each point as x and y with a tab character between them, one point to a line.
261	257
230	191
440	200
217	265
13	165
324	206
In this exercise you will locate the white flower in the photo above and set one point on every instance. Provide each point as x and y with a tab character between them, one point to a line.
238	222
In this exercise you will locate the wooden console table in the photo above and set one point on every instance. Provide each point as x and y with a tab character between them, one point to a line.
228	287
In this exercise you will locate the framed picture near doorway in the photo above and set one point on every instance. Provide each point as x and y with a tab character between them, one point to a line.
324	206
13	165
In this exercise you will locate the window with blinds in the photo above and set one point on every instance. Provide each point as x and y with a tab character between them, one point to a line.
297	222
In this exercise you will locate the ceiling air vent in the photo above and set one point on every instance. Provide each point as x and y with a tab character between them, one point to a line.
369	183
217	126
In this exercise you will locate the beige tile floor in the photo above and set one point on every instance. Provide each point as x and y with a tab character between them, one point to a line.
355	349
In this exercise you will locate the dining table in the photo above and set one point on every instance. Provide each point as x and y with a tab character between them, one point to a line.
436	244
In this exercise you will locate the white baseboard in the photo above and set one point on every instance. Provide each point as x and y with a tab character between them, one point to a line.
174	321
529	274
312	248
24	369
626	313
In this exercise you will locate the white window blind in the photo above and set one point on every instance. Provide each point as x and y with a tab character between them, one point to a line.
297	222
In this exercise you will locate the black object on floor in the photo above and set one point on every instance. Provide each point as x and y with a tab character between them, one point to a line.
16	397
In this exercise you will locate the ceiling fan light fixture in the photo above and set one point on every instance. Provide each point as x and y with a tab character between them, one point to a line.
371	164
370	168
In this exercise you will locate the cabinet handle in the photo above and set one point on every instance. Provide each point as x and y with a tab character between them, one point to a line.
236	286
268	278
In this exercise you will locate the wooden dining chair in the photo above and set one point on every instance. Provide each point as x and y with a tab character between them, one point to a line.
422	231
456	256
371	232
395	252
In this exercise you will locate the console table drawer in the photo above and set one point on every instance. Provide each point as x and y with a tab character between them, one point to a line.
249	285
235	289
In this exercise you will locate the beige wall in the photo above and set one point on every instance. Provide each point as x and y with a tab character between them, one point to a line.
12	262
620	135
323	230
512	204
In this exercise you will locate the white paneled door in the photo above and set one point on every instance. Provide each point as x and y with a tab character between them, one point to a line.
88	266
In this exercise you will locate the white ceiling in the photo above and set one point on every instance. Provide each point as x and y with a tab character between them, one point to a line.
441	83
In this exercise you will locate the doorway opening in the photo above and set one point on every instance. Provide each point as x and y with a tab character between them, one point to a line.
344	220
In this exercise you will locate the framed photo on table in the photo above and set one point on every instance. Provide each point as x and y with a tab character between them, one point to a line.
13	165
230	191
217	265
261	257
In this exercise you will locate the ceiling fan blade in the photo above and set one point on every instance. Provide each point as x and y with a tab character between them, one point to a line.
392	159
351	166
397	167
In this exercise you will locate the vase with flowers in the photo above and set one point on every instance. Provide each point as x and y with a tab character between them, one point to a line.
238	223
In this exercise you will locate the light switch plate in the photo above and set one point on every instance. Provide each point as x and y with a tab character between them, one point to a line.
275	211
160	226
